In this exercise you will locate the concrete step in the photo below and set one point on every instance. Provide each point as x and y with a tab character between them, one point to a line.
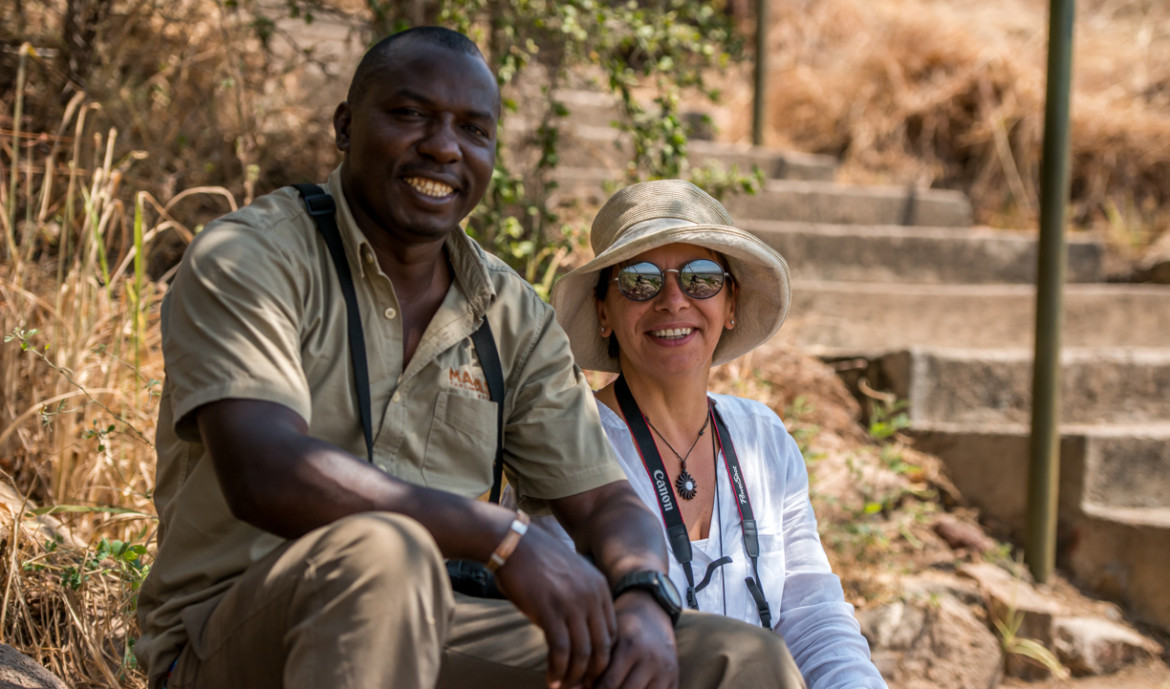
588	140
840	204
972	386
833	319
811	201
600	146
589	107
1124	554
1125	466
912	255
774	163
1113	523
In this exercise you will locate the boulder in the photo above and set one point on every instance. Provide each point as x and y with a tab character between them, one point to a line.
921	645
18	671
962	535
1009	597
1093	646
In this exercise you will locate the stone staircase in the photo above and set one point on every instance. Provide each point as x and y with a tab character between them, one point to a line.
894	285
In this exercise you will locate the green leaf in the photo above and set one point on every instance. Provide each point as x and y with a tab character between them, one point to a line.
92	509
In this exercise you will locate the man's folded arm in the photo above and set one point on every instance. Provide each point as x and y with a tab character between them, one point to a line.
276	477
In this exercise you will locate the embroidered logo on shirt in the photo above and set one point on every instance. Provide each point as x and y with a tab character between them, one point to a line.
469	378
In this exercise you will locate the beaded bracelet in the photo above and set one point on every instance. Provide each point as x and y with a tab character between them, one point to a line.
511	539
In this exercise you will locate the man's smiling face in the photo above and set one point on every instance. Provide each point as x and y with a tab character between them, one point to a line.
420	142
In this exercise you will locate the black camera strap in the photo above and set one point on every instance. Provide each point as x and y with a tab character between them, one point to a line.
676	529
747	520
323	210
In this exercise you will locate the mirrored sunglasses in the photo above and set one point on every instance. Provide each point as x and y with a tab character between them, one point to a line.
701	278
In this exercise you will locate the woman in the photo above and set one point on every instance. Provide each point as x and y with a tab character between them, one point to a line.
674	289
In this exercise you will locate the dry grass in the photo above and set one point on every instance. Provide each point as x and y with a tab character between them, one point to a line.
80	372
951	93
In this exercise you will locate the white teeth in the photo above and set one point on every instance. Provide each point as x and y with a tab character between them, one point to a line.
429	187
672	333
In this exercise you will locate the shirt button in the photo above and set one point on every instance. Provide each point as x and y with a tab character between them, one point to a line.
390	313
394	399
368	255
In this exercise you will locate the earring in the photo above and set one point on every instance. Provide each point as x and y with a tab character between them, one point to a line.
733	322
601	330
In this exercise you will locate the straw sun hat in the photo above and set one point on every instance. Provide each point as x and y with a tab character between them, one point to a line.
648	215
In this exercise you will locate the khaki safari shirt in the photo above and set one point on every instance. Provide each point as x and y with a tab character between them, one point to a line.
256	312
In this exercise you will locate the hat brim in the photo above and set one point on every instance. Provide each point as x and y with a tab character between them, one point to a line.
760	272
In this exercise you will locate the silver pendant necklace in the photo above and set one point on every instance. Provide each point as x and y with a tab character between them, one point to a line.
685	483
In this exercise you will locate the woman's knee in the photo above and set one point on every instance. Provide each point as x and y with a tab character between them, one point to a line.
731	653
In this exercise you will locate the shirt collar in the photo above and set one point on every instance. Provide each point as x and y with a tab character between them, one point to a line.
468	259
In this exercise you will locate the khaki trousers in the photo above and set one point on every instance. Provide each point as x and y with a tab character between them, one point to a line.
365	603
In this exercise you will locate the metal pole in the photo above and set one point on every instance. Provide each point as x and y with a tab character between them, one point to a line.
1044	471
759	101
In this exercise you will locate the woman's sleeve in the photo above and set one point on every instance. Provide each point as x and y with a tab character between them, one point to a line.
815	620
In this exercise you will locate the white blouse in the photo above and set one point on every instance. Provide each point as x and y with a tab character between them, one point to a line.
807	603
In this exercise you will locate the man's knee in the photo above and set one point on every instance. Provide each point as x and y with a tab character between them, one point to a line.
380	548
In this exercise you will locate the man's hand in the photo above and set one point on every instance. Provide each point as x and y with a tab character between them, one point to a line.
623	536
569	600
644	656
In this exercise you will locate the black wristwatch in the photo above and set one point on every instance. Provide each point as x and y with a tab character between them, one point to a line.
658	585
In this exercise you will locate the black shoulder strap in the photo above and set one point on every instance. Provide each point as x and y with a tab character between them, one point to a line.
489	360
751	539
322	210
676	528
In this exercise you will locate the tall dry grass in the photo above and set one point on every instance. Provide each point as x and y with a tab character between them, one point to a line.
950	93
80	372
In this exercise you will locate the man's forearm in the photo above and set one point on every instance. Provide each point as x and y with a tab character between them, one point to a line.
616	528
279	479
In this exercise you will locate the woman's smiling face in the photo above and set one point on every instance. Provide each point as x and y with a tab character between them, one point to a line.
670	333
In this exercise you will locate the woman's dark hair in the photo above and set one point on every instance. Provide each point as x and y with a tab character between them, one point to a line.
602	289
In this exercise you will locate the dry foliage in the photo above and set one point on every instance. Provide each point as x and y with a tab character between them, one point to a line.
80	369
951	94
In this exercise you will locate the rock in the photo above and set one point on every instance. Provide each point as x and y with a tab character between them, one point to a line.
1093	646
1008	598
14	508
1028	616
1155	264
18	671
930	586
961	535
924	647
896	626
1086	645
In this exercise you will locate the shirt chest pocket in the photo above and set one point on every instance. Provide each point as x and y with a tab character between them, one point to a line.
461	445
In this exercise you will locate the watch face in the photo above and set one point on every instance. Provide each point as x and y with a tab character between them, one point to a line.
669	590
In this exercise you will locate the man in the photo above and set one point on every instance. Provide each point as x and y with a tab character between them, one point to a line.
285	560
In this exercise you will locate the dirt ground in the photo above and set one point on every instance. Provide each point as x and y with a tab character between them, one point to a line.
1153	674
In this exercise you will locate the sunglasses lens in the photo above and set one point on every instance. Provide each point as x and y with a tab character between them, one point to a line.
640	281
701	279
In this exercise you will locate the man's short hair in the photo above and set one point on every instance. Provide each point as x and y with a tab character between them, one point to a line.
379	55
